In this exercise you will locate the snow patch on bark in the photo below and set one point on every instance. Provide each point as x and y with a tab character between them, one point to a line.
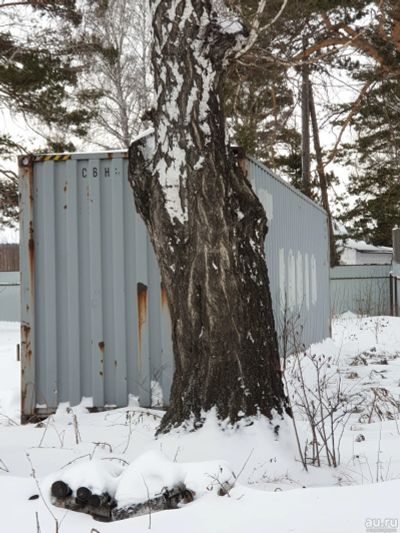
229	25
170	177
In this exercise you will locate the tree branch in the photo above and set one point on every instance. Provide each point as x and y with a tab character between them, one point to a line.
354	108
26	3
256	29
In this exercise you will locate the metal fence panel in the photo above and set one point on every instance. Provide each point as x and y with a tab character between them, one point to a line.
394	281
10	309
361	289
396	252
94	316
297	252
395	276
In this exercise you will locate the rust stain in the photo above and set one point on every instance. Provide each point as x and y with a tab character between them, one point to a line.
31	258
65	192
23	394
26	340
101	348
27	353
26	363
31	241
164	299
142	310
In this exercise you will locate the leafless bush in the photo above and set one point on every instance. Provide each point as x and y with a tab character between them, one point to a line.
318	395
384	406
57	523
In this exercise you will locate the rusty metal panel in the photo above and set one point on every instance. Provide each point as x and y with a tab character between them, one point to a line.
27	267
297	254
95	320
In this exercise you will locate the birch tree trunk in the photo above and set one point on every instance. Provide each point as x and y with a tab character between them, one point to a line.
207	226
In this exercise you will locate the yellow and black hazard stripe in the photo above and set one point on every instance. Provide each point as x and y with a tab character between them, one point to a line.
54	157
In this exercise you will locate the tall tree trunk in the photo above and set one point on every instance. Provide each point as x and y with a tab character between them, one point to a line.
305	125
207	227
334	259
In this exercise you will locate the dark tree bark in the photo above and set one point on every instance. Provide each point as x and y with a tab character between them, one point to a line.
207	227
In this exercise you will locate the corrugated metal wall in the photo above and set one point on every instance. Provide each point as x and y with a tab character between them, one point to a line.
94	317
93	309
361	289
297	252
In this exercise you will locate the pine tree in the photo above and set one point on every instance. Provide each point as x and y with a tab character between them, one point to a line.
40	65
260	109
374	209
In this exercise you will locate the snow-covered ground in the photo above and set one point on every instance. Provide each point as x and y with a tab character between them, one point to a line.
359	369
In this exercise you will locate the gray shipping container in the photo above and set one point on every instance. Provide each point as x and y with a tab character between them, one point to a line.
94	316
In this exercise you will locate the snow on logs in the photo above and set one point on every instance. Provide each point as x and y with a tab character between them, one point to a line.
109	492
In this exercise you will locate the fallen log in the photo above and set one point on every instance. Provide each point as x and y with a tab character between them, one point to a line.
103	507
60	490
168	499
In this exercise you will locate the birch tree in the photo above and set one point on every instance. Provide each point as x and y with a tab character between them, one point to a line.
206	223
120	70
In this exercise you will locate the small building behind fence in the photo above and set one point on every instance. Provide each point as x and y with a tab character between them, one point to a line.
369	287
361	253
